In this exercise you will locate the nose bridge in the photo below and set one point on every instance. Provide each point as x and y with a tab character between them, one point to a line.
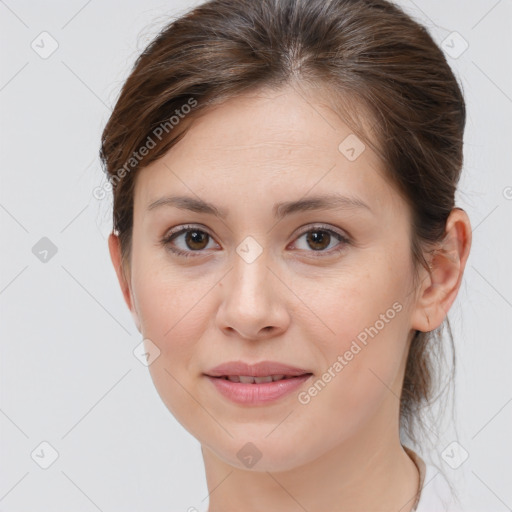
250	277
252	303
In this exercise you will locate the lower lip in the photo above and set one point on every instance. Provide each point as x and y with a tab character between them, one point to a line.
253	394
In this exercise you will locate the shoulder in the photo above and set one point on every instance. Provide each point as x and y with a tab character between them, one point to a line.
436	495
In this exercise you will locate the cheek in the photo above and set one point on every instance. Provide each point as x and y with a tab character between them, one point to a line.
171	304
173	317
173	314
361	306
358	380
364	355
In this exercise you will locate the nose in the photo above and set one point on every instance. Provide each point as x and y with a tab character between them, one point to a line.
254	304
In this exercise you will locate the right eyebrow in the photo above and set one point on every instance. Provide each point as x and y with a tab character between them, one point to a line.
189	203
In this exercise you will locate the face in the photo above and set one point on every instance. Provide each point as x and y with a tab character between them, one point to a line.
325	289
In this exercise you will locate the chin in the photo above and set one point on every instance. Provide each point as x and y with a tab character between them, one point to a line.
259	453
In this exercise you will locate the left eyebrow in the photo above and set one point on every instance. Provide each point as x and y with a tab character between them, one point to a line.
323	202
280	210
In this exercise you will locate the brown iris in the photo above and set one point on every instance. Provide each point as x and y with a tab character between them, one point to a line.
318	237
196	239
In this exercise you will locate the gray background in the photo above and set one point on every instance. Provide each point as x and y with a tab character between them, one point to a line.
68	374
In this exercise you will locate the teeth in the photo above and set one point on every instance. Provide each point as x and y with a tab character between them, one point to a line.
246	379
260	380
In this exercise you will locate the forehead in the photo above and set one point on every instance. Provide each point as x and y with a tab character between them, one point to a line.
268	143
282	123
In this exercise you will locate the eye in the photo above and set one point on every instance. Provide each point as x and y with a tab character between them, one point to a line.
195	240
320	238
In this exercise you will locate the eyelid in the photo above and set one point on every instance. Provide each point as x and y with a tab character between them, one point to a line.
185	227
320	226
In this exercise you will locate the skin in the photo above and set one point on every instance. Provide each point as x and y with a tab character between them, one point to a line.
341	451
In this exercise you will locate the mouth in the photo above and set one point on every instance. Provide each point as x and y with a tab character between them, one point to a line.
264	369
246	379
256	384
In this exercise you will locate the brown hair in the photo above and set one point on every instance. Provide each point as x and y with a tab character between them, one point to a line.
369	54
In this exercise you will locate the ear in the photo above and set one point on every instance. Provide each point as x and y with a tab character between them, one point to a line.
440	286
114	246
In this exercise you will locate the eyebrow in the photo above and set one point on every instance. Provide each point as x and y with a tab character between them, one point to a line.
280	210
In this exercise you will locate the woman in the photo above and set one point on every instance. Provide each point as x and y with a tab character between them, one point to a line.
286	239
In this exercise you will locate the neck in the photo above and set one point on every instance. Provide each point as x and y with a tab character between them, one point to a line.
372	472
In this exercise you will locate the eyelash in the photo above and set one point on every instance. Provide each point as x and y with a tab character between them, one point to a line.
168	238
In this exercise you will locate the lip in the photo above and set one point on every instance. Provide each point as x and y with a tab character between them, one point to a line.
261	369
257	393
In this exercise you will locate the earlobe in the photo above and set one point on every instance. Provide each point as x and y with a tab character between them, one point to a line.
440	286
114	246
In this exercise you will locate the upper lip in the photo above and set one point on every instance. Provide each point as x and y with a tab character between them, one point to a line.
261	369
